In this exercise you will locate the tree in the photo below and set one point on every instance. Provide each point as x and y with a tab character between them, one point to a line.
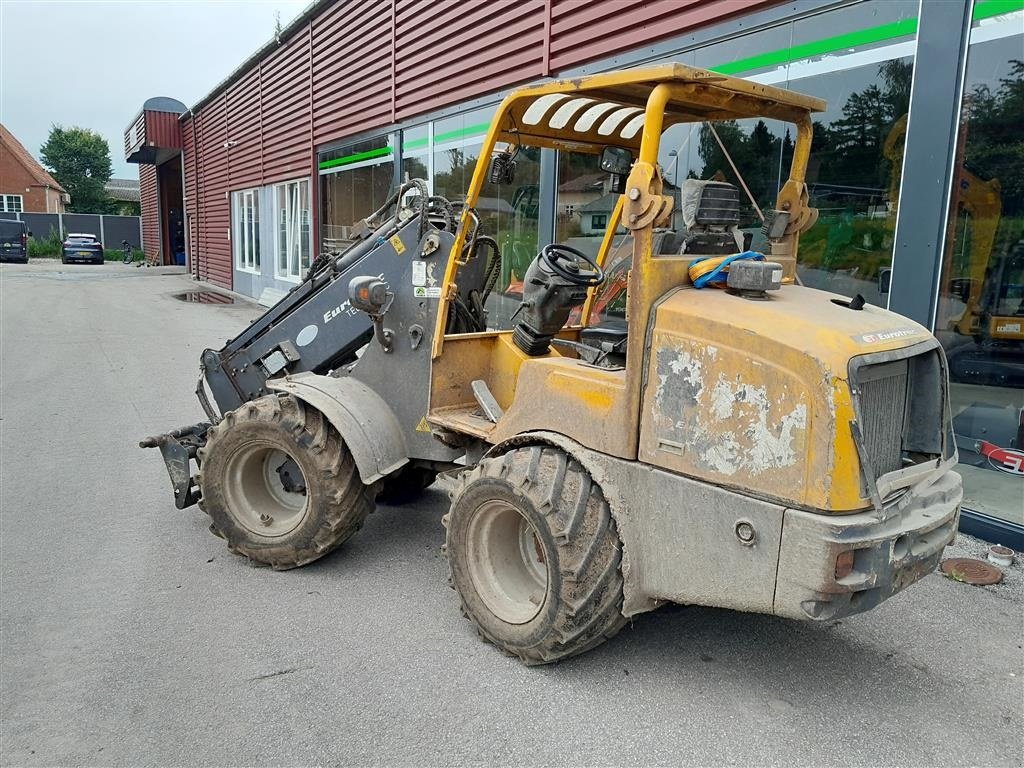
80	160
995	142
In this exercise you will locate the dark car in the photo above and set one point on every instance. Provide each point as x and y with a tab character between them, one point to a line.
79	246
14	241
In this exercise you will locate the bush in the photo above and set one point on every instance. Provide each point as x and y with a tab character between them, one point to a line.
47	247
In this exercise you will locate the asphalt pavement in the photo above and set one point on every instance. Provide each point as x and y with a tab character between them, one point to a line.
129	636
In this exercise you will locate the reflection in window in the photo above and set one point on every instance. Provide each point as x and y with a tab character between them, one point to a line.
857	153
245	214
583	202
508	213
354	182
980	314
854	176
292	208
416	153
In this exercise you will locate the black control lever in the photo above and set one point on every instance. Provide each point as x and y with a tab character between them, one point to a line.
371	295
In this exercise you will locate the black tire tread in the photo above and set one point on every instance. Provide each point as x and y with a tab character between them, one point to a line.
589	549
347	501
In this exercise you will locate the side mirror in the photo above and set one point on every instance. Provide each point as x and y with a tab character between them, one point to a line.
616	160
503	168
368	294
29	233
884	279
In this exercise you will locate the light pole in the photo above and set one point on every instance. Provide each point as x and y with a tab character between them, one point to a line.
674	154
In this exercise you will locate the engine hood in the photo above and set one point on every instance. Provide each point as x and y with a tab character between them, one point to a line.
805	320
755	394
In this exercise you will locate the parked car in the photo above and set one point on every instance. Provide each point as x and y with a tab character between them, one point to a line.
14	241
79	246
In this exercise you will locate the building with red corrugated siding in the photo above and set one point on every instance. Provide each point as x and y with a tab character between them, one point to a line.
912	166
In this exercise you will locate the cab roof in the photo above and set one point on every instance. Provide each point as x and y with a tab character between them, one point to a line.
586	113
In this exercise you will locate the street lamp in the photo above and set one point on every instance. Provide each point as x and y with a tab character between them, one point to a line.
676	193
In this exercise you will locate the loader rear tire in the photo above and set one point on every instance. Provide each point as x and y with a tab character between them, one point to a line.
257	506
535	556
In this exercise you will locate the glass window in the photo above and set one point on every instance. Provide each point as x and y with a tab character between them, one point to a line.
859	59
980	315
11	203
292	209
354	182
416	153
456	146
583	207
583	193
509	213
245	214
856	158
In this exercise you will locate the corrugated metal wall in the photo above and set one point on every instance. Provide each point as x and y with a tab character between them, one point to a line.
150	210
360	64
162	129
213	241
245	158
449	52
285	110
190	192
352	66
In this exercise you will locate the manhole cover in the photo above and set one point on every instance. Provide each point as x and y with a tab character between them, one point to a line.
971	571
204	297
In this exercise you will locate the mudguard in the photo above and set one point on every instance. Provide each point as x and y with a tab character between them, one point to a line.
366	423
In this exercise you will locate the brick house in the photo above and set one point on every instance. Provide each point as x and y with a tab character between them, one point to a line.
25	186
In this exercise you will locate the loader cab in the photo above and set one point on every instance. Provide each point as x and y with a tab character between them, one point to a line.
571	350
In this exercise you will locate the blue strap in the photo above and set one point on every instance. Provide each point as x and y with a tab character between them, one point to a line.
718	274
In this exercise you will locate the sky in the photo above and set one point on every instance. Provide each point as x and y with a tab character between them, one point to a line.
92	63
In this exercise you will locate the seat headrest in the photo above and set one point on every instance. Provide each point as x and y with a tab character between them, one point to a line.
709	202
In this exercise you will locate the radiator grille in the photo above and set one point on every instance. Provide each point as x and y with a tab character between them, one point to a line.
883	402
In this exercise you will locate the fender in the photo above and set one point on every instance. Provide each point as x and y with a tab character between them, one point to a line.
365	421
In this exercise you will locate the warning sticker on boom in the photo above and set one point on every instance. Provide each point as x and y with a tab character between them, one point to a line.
397	244
419	273
422	292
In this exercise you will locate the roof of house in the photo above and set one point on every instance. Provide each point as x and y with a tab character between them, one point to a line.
587	182
17	149
125	190
603	204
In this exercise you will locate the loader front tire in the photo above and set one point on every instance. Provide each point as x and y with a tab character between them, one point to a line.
535	556
258	502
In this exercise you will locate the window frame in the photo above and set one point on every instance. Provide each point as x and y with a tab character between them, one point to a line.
294	268
4	208
246	232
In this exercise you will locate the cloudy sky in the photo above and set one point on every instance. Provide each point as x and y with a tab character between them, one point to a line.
92	63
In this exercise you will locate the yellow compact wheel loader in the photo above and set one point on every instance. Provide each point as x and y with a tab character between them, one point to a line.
733	439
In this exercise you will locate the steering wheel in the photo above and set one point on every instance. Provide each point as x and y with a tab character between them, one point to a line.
565	262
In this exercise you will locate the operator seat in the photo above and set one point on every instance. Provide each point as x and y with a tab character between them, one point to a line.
711	215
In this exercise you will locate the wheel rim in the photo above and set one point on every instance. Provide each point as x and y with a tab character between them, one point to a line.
506	562
256	495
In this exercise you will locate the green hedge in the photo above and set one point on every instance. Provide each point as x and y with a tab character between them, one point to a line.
50	248
46	247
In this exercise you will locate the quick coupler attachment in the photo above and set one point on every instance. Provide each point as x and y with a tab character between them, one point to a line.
178	449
